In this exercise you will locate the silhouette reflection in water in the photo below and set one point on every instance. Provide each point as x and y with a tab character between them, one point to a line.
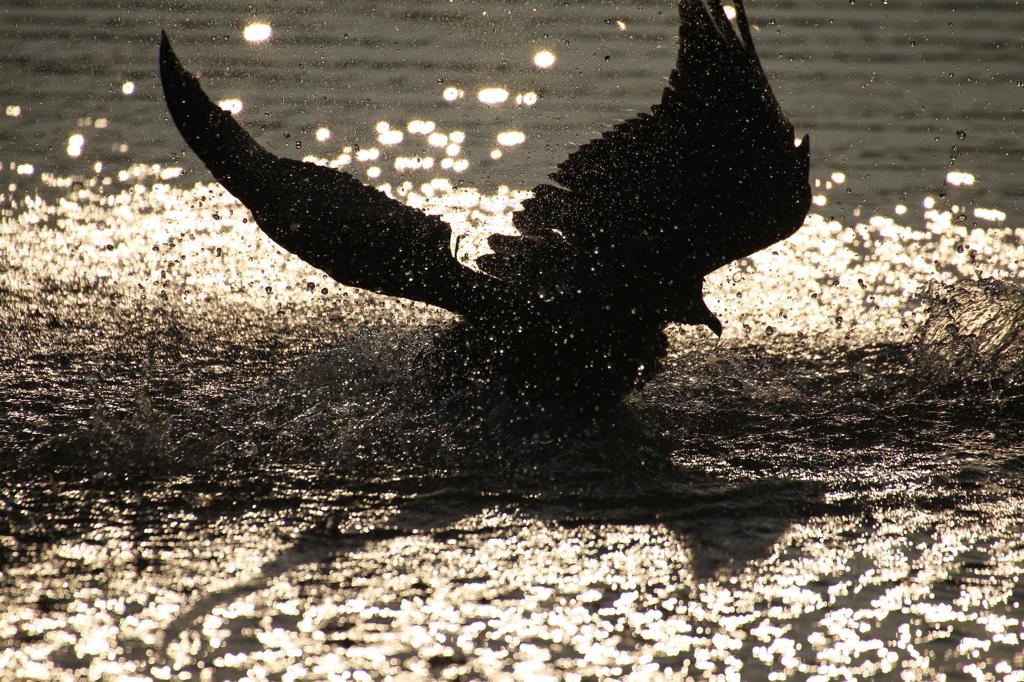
570	312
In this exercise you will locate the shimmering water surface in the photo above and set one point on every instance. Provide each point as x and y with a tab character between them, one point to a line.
218	464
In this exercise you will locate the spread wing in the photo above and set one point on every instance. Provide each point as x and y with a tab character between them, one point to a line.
710	175
356	234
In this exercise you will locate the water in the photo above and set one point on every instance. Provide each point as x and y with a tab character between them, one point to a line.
218	463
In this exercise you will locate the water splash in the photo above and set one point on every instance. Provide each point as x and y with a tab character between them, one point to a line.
254	449
975	334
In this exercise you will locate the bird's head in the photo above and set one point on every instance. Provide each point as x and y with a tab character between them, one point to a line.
687	306
707	318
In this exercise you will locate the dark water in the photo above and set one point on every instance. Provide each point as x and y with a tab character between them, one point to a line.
217	463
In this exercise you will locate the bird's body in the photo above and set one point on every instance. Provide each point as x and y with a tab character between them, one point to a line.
609	253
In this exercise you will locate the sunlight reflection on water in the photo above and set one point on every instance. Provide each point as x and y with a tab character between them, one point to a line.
857	284
830	596
811	527
533	600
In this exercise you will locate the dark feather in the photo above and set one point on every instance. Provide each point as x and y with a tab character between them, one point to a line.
710	175
356	234
573	308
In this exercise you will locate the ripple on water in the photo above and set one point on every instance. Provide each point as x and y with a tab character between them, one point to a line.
224	463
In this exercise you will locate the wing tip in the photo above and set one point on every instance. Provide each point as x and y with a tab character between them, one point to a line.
804	145
227	150
170	65
179	86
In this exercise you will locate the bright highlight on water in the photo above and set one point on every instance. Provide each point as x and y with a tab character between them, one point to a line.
544	59
492	95
257	32
218	463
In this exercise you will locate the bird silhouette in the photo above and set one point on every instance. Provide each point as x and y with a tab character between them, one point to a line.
572	310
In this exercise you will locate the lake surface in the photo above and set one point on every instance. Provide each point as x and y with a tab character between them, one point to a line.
215	462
